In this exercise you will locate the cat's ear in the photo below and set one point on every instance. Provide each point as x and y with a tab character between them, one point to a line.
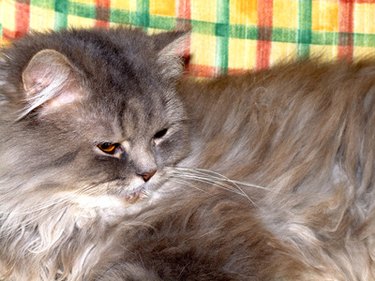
50	82
171	47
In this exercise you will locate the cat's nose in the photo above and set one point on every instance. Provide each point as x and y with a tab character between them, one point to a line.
147	175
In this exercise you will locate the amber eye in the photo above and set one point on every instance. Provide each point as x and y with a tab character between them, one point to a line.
107	147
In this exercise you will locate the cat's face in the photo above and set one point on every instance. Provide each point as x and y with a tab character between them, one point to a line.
96	111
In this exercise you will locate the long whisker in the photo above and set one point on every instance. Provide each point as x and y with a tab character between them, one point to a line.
217	180
186	182
222	177
208	180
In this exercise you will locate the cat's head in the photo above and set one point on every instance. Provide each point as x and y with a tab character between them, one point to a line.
91	109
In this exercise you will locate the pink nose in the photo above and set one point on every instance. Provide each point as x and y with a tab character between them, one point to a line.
147	175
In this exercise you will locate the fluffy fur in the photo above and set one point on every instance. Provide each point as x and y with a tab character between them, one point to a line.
275	180
285	184
62	96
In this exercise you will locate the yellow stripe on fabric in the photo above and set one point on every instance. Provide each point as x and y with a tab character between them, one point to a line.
285	13
323	52
205	46
122	5
80	22
163	8
41	19
364	52
282	51
241	53
133	5
325	16
243	12
85	2
203	10
9	16
364	18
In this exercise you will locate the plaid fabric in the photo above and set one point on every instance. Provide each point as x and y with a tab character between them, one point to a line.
228	35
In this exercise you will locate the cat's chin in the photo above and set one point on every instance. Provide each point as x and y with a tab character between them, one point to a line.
134	195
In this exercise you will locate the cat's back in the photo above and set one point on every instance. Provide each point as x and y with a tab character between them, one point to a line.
292	113
304	131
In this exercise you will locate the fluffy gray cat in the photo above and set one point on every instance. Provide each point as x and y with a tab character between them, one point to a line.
113	167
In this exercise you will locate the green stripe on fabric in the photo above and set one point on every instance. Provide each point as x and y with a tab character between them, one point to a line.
284	35
120	16
143	13
303	36
61	14
44	4
157	22
287	35
162	22
364	40
243	32
222	33
203	27
324	38
82	10
304	27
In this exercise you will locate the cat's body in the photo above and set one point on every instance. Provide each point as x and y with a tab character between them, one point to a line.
302	132
275	180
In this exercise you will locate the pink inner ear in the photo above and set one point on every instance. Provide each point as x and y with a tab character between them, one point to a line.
50	81
65	98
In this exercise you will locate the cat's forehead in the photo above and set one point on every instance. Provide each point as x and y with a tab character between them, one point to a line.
130	117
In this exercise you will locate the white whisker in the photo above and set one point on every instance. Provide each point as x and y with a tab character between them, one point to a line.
207	180
215	179
222	177
186	182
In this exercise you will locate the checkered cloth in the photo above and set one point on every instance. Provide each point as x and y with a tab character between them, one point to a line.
228	35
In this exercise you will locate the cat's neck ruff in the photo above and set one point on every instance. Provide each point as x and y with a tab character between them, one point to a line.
63	241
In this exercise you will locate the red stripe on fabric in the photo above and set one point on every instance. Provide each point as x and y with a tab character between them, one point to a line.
184	12
9	34
265	12
22	18
105	4
237	71
345	48
101	23
361	1
201	70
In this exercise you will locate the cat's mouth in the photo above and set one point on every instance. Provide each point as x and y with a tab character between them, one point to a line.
135	192
132	196
135	189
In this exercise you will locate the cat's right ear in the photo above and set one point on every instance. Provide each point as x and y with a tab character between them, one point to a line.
171	47
50	83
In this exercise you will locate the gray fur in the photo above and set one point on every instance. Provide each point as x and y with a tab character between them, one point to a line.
266	176
63	94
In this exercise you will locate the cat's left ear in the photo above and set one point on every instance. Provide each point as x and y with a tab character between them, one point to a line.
50	82
171	47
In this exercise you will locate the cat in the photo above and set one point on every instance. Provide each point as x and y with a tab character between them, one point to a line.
89	123
113	166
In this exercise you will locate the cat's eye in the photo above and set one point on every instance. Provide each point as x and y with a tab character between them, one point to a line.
160	134
108	147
